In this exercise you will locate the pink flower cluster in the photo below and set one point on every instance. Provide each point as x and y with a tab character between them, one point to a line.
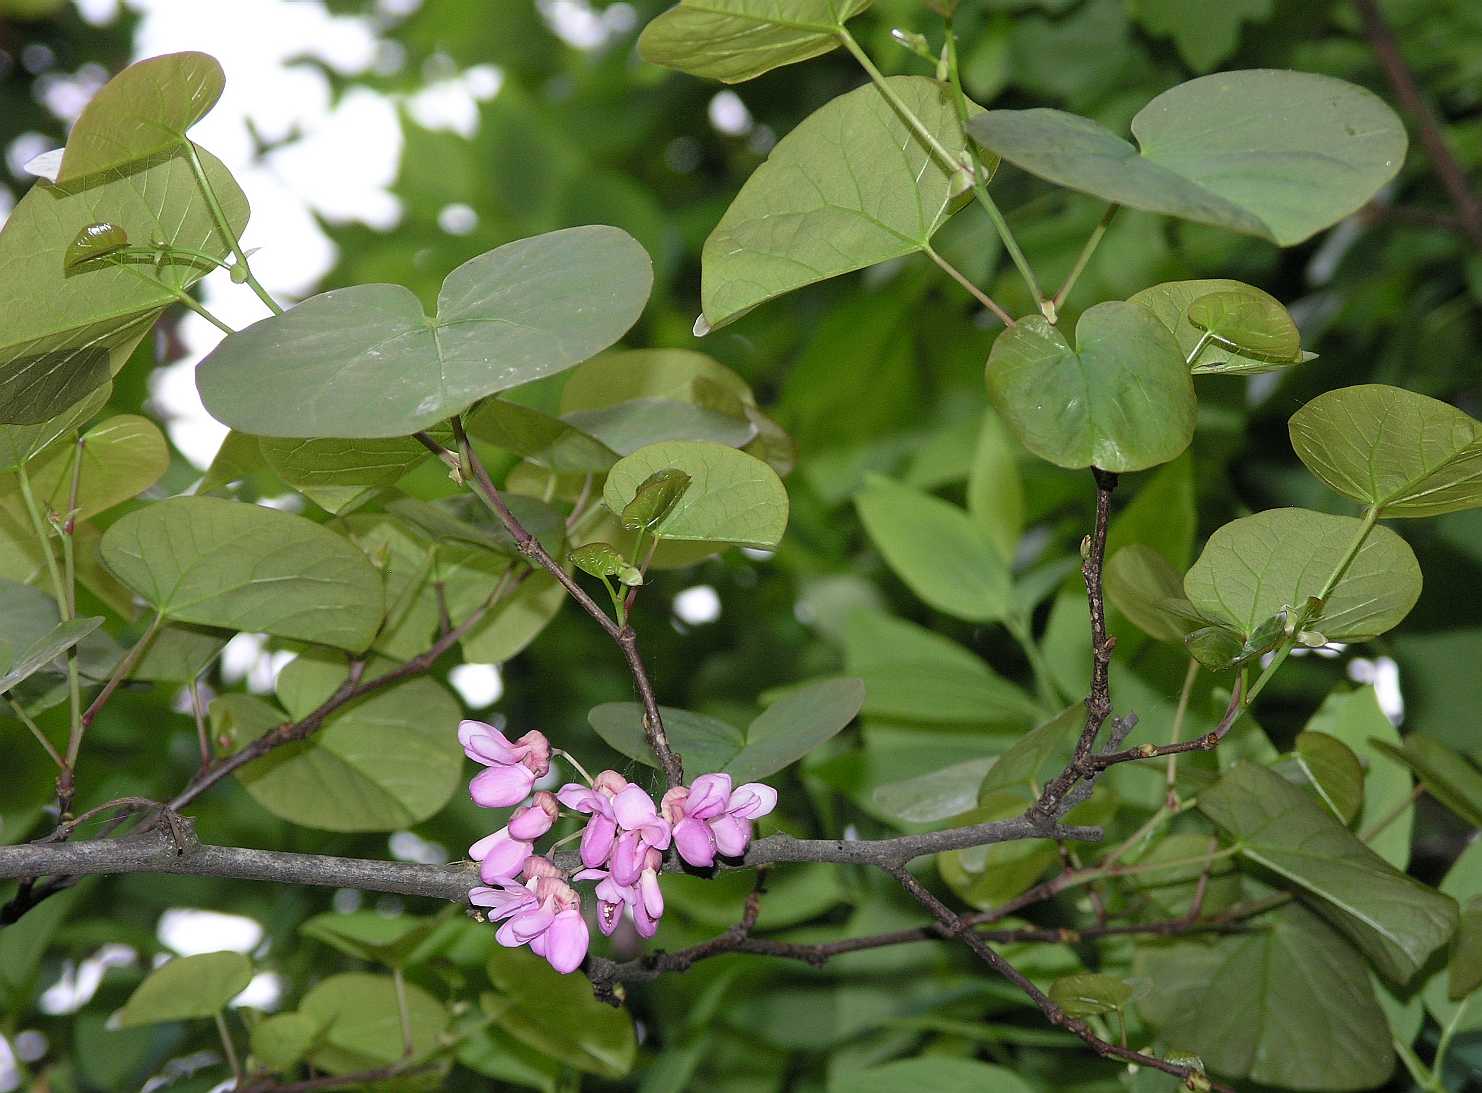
622	845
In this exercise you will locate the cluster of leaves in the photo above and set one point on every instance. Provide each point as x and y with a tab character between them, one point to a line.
1263	923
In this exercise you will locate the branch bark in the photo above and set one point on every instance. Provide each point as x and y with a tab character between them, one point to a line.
1397	71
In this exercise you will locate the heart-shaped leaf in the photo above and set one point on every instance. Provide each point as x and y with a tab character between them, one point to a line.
1265	152
1264	1004
19	443
1172	302
143	111
1256	566
367	361
281	1040
1121	400
1256	325
362	1022
122	456
849	187
736	40
245	567
731	497
1406	453
1397	921
66	332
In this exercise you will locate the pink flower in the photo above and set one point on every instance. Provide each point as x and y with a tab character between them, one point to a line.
711	817
598	802
544	913
641	830
513	768
645	899
503	854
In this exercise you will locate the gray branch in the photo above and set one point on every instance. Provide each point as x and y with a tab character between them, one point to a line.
162	851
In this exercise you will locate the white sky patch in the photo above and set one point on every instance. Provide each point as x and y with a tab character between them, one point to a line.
245	657
189	931
78	983
10	1072
23	149
1384	674
479	685
728	114
406	846
457	218
264	992
697	605
98	13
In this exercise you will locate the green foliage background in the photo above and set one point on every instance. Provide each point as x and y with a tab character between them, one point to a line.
873	373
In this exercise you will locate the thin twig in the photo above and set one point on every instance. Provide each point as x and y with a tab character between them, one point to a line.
973	290
1400	76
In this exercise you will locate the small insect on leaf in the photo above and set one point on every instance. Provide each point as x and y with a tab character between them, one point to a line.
655	498
94	241
599	559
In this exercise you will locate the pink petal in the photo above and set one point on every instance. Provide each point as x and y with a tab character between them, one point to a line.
580	798
643	922
752	801
590	874
486	744
732	835
504	860
652	895
627	858
500	787
611	891
526	925
530	823
478	850
633	808
656	834
596	841
708	796
503	900
694	842
567	941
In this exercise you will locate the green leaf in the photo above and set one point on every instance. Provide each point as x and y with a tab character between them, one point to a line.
370	935
1448	777
1264	152
540	438
187	987
1089	994
1216	647
931	798
737	40
1406	453
706	743
1121	399
366	361
244	567
942	554
143	111
381	763
334	473
598	559
1355	718
41	652
18	443
1334	772
94	241
1397	921
362	1025
515	621
1258	565
995	489
559	1015
732	497
1255	324
1171	303
654	499
1287	1005
1463	882
805	216
1022	768
1464	968
281	1041
122	456
1204	31
179	653
67	332
464	519
794	725
937	1073
915	674
1144	587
